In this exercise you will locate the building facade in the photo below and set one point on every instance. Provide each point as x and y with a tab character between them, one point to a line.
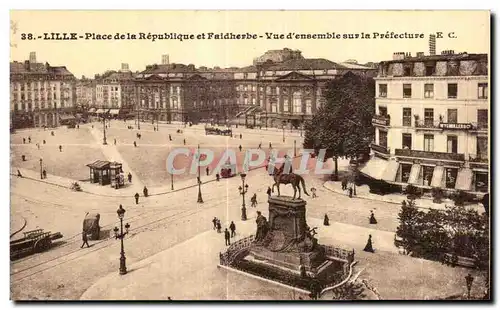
40	94
431	126
85	93
115	91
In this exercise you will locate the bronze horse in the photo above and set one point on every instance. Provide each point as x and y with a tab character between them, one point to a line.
288	178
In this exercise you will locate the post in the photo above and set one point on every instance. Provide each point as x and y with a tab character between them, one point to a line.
138	120
41	169
172	181
104	132
283	133
243	191
294	148
200	198
123	267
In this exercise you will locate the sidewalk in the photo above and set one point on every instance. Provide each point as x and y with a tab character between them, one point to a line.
363	192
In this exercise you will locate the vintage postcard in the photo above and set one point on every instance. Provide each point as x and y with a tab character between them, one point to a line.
250	155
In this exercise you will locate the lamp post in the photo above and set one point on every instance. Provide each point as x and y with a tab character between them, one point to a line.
41	168
104	129
468	280
200	198
294	148
283	133
243	190
121	235
138	120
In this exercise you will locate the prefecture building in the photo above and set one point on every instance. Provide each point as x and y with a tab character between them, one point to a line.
431	122
40	94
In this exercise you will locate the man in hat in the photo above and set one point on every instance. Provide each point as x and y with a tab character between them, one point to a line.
136	196
85	239
227	237
232	227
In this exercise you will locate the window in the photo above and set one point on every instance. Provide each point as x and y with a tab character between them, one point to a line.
245	101
452	116
297	105
407	117
268	89
406	90
482	147
277	90
382	138
245	88
427	172
408	70
482	90
308	106
382	90
285	105
481	181
429	143
482	118
429	117
451	177
382	110
405	172
452	90
452	144
407	141
253	101
430	69
428	90
254	88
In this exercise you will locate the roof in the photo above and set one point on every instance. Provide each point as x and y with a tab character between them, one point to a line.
99	164
307	63
38	68
463	56
116	75
353	66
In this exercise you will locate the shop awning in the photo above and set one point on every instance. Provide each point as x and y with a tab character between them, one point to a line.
66	117
391	171
99	111
114	111
464	179
437	176
374	168
91	110
414	173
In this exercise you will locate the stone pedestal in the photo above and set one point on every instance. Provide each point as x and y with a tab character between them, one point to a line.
289	243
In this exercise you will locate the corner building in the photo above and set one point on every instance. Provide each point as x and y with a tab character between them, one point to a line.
431	122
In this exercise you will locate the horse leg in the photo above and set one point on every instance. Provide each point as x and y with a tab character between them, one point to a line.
294	191
278	187
298	187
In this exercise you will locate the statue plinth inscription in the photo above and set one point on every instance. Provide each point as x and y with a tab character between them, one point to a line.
286	241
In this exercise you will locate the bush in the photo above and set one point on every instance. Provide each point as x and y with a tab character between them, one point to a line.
462	198
412	192
437	194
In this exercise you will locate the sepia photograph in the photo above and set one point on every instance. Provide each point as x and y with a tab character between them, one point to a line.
250	155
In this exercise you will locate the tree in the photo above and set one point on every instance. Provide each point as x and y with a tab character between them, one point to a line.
410	228
342	126
352	290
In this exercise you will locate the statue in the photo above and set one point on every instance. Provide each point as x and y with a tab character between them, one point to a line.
262	227
288	178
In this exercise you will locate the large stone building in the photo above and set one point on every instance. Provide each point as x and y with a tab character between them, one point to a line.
115	91
85	93
280	88
431	126
40	94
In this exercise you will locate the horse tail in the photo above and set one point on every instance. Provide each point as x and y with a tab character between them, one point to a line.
304	185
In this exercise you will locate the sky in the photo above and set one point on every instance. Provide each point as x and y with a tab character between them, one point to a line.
88	57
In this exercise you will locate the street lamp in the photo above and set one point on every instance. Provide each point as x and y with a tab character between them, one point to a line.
138	120
294	148
104	129
121	235
469	279
283	133
41	169
200	198
243	190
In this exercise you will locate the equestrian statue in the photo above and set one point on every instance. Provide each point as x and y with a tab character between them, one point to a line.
288	178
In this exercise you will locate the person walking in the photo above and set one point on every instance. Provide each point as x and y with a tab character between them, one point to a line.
219	226
369	245
326	220
135	144
269	191
85	239
232	227
145	191
24	140
214	221
253	200
270	145
136	196
29	139
344	184
217	177
207	170
373	220
44	173
313	191
169	137
240	147
38	145
60	148
227	237
350	190
129	177
114	141
241	136
44	142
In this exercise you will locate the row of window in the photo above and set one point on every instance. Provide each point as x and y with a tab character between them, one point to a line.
451	144
452	116
482	90
297	106
30	106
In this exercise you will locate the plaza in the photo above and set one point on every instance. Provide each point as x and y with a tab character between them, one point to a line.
171	245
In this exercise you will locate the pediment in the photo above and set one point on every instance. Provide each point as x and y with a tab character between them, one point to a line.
154	77
293	76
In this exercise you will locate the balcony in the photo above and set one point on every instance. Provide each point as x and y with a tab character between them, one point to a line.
381	120
427	125
478	159
379	148
456	126
430	155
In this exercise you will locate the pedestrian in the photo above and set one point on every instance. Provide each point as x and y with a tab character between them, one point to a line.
269	191
52	133
219	226
241	136
207	170
60	148
369	245
114	140
38	145
136	198
170	137
313	191
217	177
344	184
44	142
78	126
214	221
129	177
373	220
184	141
85	239
350	191
44	173
253	200
23	157
326	221
232	227
29	139
227	237
135	144
145	191
24	140
270	145
260	145
240	147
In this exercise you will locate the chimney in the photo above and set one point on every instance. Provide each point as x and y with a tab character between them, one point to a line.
27	65
398	56
125	67
32	57
432	44
165	59
420	54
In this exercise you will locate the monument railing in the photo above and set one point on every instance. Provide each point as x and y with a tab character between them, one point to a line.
234	249
339	253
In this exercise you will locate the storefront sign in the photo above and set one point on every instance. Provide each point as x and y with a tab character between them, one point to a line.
460	126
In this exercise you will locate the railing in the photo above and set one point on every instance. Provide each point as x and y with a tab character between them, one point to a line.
339	253
380	148
382	120
480	126
427	124
430	155
479	159
227	258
